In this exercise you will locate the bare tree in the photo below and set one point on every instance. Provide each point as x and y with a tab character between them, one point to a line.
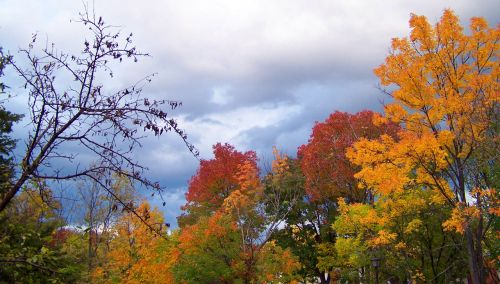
101	211
85	116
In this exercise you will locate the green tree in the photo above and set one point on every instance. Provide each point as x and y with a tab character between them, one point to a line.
403	230
7	144
301	232
32	242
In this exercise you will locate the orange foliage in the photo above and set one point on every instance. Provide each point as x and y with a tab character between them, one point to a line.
248	191
137	254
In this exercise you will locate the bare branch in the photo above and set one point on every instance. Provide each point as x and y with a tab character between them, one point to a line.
109	125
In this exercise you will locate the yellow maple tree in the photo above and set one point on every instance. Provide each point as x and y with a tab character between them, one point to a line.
445	89
138	252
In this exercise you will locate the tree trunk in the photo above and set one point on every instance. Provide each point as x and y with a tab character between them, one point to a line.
324	278
474	250
13	191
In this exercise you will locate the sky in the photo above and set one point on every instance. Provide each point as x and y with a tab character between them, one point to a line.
255	74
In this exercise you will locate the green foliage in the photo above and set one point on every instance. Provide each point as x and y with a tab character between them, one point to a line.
31	243
405	231
7	119
209	251
303	232
4	60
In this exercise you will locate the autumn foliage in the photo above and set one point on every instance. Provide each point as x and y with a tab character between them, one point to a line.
329	174
137	254
214	181
229	235
446	98
216	178
414	189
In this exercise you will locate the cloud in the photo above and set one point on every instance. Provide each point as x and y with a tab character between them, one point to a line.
232	125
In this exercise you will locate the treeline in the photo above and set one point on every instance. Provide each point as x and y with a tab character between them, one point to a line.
407	196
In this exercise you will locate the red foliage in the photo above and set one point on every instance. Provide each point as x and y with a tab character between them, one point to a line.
217	178
60	236
328	172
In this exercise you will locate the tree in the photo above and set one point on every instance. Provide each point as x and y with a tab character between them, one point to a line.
214	181
404	230
232	228
446	86
7	119
4	61
247	207
28	249
328	175
328	172
31	243
96	120
137	253
101	212
224	249
208	251
300	232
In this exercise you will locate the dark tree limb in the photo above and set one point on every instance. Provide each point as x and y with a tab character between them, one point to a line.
108	125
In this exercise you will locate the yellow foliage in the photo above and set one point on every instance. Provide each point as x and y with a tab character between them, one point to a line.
447	86
460	218
137	253
434	88
379	120
413	226
280	163
383	238
401	246
445	90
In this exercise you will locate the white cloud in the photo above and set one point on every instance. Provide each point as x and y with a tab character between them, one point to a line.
220	95
231	126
